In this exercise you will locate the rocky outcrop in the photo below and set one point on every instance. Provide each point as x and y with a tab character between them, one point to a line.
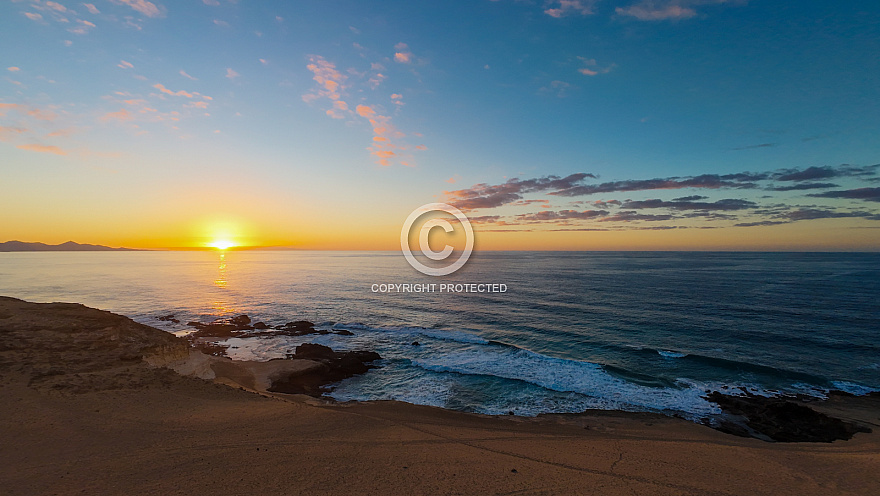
779	419
336	366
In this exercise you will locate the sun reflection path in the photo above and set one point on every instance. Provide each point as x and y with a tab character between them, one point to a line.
220	282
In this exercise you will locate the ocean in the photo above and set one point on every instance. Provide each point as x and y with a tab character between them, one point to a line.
636	331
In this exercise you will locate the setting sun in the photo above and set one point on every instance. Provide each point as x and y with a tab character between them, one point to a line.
222	244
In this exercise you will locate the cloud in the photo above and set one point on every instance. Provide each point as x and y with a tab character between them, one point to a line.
752	147
826	172
727	204
804	186
668	10
402	55
330	80
146	8
651	11
708	181
125	65
184	74
212	3
122	115
56	6
13	69
591	67
165	90
33	16
867	194
365	111
632	216
231	74
817	213
82	27
491	196
561	215
559	88
91	8
34	147
7	133
562	8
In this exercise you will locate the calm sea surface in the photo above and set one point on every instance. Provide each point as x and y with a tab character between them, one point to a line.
632	331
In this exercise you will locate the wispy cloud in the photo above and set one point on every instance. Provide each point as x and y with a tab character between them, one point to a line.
668	10
231	74
490	196
163	89
184	74
35	147
121	115
146	8
125	65
562	8
91	8
867	194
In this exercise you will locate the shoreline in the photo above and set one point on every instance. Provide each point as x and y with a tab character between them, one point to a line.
84	409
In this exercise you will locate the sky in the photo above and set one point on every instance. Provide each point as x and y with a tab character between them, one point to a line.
554	125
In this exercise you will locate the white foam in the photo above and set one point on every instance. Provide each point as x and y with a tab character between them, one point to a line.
671	354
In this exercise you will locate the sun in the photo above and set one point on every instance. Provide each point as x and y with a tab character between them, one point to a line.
222	244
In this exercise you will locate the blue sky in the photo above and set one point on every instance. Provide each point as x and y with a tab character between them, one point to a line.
290	121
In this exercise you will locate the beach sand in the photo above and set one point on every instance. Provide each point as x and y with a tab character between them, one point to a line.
83	412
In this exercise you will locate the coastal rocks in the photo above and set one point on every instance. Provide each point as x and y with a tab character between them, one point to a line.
168	318
779	419
223	328
335	366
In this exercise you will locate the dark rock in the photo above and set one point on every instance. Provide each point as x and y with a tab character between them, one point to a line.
240	320
779	419
416	343
168	318
343	332
314	351
299	324
334	367
261	326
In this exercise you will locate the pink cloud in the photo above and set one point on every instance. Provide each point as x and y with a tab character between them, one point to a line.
365	111
33	147
56	6
122	115
403	55
231	74
13	69
146	8
33	16
328	78
165	90
125	65
91	8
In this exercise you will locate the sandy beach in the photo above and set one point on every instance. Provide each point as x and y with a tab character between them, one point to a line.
89	408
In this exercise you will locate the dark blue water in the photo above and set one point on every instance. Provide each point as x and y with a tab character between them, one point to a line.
635	331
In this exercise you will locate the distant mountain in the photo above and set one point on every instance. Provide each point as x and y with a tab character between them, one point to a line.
69	246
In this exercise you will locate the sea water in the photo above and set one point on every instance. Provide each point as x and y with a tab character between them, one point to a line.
640	331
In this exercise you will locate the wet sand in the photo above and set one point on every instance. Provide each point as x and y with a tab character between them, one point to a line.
83	411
